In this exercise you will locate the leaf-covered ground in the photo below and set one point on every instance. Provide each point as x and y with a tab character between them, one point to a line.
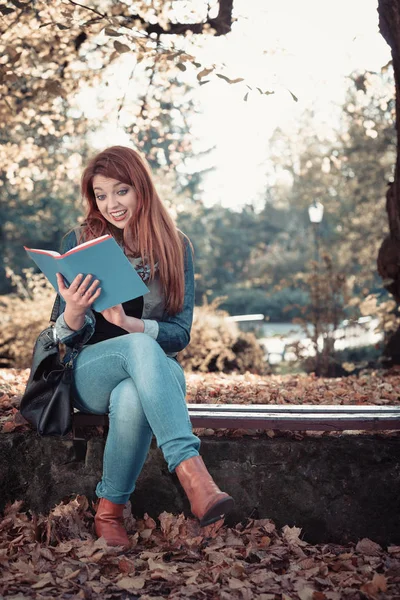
374	387
58	557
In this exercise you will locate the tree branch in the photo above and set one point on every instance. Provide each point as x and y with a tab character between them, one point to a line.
222	22
96	12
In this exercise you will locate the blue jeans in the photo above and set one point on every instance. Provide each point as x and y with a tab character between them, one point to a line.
143	391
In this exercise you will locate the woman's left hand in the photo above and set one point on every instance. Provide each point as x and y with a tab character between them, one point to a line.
115	315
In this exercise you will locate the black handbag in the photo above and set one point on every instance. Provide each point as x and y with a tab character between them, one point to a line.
47	400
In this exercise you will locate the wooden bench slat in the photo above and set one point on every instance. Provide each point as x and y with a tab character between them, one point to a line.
293	408
283	417
277	416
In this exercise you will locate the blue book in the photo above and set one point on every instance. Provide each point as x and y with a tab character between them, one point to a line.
102	258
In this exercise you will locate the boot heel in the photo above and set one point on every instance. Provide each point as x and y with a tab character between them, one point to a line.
217	511
207	502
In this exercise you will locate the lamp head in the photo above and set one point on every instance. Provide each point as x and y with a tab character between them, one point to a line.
316	212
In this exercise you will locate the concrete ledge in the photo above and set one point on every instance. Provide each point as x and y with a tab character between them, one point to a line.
336	489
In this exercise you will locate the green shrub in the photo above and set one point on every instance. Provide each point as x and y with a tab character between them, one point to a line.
218	345
23	315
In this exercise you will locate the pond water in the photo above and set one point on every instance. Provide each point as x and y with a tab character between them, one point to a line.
277	338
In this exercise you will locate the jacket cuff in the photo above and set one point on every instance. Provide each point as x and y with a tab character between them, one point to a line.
69	336
151	328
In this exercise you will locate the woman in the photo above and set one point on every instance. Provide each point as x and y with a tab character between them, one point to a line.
127	366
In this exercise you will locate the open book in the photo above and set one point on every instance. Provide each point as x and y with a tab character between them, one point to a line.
102	258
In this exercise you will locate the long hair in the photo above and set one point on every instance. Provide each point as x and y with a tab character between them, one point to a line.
151	232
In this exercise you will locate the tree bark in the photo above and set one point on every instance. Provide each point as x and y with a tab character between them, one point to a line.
388	261
389	252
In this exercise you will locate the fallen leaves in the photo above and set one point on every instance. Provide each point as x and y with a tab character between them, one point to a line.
375	387
57	556
40	559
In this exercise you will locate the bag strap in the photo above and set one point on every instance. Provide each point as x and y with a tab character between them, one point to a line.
54	312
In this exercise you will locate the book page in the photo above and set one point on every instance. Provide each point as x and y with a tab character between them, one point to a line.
51	252
89	243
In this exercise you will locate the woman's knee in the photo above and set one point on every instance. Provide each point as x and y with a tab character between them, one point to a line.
143	347
125	403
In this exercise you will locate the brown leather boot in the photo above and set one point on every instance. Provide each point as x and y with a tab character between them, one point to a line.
207	502
108	523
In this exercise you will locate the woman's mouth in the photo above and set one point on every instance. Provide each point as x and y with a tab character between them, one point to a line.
119	215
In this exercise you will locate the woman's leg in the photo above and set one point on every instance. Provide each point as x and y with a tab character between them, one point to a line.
127	444
143	390
160	386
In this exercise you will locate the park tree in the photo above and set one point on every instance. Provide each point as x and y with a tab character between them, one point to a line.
388	261
51	52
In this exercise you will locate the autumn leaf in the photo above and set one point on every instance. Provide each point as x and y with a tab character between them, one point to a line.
378	584
111	32
5	10
54	88
9	426
225	78
368	547
131	584
204	73
306	593
121	48
291	535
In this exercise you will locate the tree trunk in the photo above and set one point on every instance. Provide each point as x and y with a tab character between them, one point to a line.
389	253
4	283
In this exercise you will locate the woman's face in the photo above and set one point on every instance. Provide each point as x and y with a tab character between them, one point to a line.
115	200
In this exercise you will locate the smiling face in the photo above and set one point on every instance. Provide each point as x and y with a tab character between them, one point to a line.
115	200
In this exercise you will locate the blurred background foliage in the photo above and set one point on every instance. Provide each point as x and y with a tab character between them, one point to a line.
55	56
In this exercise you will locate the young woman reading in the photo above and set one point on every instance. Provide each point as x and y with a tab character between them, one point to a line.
127	366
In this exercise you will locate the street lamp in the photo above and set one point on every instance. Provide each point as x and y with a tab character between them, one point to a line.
315	213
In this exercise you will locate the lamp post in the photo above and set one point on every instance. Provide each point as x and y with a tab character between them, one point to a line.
315	214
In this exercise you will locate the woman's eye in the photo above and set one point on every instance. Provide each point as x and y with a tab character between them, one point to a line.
100	197
122	192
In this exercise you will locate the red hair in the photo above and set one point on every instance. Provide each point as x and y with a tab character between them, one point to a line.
151	232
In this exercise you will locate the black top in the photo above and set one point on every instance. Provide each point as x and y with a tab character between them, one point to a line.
105	330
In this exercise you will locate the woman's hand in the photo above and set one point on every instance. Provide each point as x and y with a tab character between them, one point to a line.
115	315
79	296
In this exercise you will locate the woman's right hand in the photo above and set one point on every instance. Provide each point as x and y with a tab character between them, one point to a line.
79	296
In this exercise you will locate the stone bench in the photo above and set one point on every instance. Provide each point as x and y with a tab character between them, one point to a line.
337	489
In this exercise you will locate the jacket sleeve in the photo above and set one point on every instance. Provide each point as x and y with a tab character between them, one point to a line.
174	331
65	334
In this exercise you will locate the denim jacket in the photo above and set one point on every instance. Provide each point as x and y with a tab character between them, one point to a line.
171	332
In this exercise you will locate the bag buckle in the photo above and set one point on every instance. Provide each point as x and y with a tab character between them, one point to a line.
48	339
72	358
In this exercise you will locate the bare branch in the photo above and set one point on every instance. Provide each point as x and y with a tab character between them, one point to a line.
222	23
96	12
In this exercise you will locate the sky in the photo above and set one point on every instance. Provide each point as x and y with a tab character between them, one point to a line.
306	48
